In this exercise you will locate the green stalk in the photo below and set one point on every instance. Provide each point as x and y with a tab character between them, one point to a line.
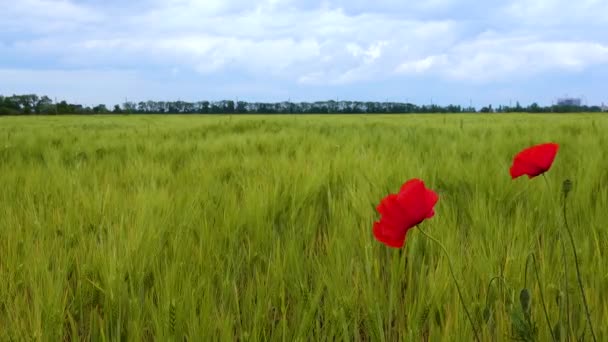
565	271
566	292
578	272
542	297
455	281
490	286
566	189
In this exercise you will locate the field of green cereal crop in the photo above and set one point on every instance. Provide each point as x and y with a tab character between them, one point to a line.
199	228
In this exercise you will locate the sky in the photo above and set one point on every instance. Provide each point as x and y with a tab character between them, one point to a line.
434	51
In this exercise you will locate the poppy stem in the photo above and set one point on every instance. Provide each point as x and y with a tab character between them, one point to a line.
445	251
569	327
566	190
578	272
490	287
540	287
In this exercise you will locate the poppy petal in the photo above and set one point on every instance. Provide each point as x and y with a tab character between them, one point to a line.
380	232
534	161
401	212
432	199
417	201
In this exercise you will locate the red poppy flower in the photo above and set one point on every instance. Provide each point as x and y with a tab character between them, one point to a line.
400	212
534	161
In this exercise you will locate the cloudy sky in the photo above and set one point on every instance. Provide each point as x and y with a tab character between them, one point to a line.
444	51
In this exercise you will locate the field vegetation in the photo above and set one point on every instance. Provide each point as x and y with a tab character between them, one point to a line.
260	228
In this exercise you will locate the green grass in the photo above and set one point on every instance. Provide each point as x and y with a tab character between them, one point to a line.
259	227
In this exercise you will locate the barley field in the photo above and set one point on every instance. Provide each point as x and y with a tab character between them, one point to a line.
195	228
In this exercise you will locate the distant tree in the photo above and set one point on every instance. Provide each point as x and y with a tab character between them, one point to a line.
173	107
31	103
26	103
228	106
518	108
453	109
44	105
142	107
241	107
160	107
534	108
487	109
76	109
8	107
63	108
205	107
152	107
129	107
216	108
100	109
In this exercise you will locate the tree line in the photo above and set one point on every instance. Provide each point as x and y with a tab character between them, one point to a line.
32	104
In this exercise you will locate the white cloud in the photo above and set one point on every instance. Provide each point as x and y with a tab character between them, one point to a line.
285	42
306	43
495	57
369	54
425	64
557	12
45	16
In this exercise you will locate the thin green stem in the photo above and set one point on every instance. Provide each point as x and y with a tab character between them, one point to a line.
445	251
542	297
565	270
578	273
569	327
490	286
526	273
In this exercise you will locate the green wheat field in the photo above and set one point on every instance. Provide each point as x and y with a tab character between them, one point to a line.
194	228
